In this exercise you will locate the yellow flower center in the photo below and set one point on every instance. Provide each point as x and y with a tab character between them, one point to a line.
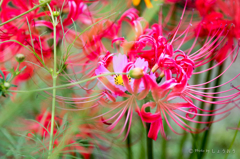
119	81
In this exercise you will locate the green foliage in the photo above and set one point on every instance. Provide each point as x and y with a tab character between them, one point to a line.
4	84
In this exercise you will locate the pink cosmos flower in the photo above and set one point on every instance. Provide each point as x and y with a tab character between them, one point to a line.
119	63
124	86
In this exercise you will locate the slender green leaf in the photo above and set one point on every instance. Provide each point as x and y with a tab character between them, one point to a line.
14	85
23	68
8	76
2	74
10	94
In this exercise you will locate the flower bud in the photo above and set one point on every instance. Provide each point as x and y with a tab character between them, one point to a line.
155	67
7	85
159	79
136	73
20	58
56	13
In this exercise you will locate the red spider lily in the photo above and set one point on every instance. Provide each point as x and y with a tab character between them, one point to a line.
216	16
163	95
95	132
211	23
178	67
108	29
162	48
18	30
11	29
8	12
205	6
40	46
85	133
92	47
75	10
149	37
91	41
44	119
178	87
131	16
42	128
18	35
232	14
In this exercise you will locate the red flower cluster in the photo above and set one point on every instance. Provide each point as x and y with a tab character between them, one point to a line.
143	71
176	66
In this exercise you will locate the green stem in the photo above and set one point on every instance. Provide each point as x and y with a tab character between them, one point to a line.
235	135
35	7
164	142
140	7
17	69
180	154
184	137
194	147
210	118
35	54
142	154
52	118
149	140
207	78
67	85
15	73
54	76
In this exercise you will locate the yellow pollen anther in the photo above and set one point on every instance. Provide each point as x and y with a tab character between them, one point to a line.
119	81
